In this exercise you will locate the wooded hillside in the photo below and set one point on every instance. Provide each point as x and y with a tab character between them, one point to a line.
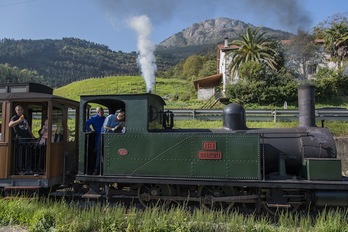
60	62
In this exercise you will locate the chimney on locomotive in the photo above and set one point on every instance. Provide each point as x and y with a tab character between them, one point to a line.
306	104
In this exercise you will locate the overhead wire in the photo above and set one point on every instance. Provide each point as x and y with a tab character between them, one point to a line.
15	3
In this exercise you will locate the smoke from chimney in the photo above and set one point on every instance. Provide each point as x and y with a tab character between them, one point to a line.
288	14
146	58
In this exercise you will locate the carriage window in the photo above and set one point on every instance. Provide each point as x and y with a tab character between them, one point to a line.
57	125
37	123
72	124
155	117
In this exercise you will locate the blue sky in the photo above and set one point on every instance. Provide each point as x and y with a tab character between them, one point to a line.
106	21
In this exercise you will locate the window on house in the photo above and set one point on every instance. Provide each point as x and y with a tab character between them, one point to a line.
312	69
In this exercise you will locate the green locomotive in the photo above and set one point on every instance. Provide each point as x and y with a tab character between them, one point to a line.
232	166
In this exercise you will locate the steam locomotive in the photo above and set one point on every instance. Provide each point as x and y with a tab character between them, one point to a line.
156	163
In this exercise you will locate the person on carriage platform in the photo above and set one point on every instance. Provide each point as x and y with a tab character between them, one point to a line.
20	124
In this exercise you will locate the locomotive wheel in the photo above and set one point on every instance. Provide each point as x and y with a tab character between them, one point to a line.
147	194
207	194
292	203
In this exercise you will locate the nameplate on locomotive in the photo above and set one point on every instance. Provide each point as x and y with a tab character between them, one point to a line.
210	155
209	146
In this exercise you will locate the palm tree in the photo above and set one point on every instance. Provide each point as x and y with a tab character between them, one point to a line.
336	41
256	47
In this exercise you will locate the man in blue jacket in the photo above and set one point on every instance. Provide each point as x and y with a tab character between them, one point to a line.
114	122
95	124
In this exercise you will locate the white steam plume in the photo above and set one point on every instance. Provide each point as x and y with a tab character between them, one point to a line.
146	58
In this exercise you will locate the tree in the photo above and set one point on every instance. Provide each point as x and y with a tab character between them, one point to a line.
263	88
252	70
254	46
336	41
334	31
15	74
300	52
208	68
191	67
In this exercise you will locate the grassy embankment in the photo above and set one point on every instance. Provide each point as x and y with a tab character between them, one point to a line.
130	85
135	84
44	215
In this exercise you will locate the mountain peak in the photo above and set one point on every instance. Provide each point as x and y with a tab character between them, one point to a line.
213	31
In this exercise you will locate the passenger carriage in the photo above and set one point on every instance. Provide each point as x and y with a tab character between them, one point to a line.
28	164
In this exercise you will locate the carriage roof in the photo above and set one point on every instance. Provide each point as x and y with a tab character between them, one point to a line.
28	91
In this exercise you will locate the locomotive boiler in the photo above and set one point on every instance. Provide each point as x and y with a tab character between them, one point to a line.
286	151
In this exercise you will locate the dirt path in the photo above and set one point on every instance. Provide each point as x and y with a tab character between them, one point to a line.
13	229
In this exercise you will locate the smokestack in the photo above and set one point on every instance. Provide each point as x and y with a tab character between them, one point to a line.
306	104
226	42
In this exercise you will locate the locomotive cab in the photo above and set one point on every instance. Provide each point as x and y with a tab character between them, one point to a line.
151	147
39	161
143	113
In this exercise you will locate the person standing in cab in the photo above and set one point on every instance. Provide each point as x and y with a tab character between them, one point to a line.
95	125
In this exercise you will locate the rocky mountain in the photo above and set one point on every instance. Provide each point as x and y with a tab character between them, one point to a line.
213	31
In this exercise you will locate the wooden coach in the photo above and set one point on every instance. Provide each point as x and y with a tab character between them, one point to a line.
29	164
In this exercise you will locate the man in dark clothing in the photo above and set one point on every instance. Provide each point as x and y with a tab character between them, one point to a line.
24	137
96	122
20	124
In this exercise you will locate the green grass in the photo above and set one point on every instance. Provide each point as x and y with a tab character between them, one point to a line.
337	128
130	85
184	89
45	215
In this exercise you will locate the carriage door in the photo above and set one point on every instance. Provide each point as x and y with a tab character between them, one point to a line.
3	145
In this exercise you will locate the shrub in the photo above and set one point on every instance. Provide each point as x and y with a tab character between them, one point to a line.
42	221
